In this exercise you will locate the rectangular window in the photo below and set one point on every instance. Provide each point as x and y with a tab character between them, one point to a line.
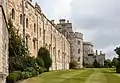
78	42
26	22
21	19
34	45
34	27
40	31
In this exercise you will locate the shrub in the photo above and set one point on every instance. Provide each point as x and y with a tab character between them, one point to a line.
45	55
19	63
41	70
13	77
73	64
40	62
26	75
118	68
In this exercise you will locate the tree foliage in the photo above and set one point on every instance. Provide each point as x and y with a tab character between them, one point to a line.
117	50
107	63
115	62
16	47
45	55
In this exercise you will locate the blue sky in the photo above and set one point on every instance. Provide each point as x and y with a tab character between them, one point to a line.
98	20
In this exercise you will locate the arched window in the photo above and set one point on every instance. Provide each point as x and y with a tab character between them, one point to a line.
21	19
26	22
34	27
78	51
13	14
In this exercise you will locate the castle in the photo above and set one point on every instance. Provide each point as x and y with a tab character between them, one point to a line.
37	30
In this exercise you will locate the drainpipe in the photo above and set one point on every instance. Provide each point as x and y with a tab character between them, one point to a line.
23	14
37	34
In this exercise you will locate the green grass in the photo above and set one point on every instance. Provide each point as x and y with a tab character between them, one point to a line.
77	76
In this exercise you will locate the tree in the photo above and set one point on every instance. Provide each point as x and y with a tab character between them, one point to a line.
115	62
16	47
96	64
117	50
107	63
45	55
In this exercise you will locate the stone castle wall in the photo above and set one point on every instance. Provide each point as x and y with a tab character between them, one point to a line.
3	46
40	32
75	39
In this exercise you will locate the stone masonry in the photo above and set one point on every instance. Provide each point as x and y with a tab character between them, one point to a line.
3	44
38	31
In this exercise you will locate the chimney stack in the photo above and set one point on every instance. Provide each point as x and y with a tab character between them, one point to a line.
62	21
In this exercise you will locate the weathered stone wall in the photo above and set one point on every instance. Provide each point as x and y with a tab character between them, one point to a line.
3	47
40	32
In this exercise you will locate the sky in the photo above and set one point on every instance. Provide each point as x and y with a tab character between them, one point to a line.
98	20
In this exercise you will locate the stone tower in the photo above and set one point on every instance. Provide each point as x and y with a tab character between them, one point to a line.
75	39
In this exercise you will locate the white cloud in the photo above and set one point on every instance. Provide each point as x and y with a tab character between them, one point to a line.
56	8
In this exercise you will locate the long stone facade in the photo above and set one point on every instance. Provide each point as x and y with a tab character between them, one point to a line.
38	31
3	44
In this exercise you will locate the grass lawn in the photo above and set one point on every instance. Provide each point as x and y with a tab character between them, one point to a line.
77	76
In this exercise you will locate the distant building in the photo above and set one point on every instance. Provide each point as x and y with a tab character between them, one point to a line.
88	53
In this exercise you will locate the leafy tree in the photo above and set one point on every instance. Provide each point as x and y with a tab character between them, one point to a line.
40	62
115	61
45	55
117	50
16	47
107	63
96	64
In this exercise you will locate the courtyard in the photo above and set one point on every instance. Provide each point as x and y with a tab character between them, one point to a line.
77	76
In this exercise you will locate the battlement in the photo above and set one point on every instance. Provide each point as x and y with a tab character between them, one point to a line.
87	43
76	35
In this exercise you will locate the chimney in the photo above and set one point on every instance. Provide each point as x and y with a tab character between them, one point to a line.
96	52
67	21
62	21
100	52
